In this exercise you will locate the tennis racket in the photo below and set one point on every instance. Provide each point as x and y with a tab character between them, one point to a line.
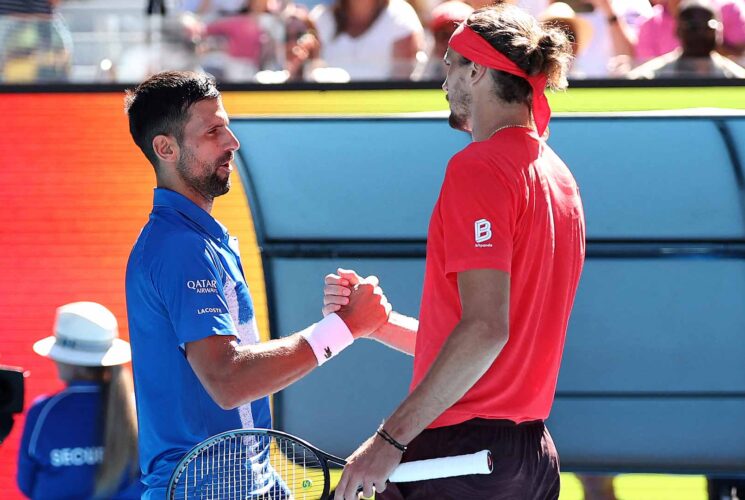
272	465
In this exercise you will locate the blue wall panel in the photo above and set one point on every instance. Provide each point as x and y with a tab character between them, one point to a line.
660	435
657	325
645	178
309	175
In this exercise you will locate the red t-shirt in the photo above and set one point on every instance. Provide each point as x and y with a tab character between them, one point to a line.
507	203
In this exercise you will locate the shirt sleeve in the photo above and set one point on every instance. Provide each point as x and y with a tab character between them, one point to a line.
479	209
28	464
188	275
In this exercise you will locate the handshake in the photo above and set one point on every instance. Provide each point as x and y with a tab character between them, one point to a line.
358	301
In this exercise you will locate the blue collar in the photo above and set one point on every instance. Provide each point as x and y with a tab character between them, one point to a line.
167	198
83	383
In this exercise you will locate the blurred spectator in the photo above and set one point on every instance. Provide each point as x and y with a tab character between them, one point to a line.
577	29
534	7
82	441
700	33
175	44
302	48
478	4
301	52
657	33
209	10
269	13
614	35
309	4
370	39
35	44
421	8
444	19
241	46
270	6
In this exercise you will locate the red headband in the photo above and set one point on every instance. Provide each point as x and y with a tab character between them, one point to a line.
471	45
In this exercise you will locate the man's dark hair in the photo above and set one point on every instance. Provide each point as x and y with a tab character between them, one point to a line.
341	14
533	47
160	106
694	28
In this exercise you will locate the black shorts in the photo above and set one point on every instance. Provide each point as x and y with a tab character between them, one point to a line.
526	465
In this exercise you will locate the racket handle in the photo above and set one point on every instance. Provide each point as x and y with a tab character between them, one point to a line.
461	465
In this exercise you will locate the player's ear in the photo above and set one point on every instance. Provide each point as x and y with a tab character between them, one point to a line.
478	71
166	148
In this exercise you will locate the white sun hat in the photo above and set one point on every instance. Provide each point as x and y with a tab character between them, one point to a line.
86	334
563	12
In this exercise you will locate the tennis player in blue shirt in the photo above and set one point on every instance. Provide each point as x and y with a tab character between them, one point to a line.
199	367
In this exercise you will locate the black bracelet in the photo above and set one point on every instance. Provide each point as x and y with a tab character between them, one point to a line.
384	434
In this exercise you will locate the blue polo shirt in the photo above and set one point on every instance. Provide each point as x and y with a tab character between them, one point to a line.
184	283
62	447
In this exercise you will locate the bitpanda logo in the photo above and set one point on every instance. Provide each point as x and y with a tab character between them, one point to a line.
482	233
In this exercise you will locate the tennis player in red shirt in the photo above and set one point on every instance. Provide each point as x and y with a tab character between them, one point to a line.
505	249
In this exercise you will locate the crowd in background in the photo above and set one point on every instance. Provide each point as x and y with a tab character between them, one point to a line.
275	41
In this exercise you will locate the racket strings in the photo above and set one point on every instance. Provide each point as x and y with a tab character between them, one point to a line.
260	467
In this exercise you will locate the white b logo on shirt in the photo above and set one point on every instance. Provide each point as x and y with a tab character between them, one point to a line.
482	229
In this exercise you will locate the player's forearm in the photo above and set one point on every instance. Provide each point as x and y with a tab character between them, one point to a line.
265	368
404	56
622	35
398	333
623	38
464	358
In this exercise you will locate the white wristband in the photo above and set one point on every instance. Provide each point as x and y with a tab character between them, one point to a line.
328	337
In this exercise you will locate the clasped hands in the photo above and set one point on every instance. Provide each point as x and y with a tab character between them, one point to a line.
358	301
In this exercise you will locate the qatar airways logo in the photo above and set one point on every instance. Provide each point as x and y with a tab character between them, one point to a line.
482	233
202	286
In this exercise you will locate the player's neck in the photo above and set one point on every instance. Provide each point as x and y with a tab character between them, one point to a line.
180	187
491	116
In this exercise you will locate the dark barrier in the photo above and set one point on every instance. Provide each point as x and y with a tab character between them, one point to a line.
11	397
652	377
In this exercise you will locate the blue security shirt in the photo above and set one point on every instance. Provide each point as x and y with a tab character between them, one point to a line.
62	446
184	283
